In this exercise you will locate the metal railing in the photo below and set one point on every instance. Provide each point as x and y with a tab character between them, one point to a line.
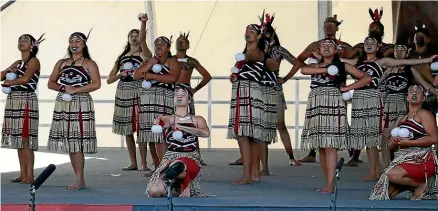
209	102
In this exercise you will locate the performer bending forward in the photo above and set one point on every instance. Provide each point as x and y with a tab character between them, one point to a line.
326	123
157	97
182	151
20	123
127	98
414	166
73	127
187	65
253	111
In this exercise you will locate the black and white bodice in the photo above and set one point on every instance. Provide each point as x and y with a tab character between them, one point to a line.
416	129
374	70
130	63
164	70
398	82
75	76
256	71
326	80
187	143
30	86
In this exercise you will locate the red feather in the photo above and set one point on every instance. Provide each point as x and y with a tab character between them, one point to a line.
268	18
376	15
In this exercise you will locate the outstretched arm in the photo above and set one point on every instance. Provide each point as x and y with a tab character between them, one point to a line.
390	62
308	51
417	76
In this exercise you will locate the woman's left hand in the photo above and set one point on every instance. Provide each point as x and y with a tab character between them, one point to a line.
403	142
70	90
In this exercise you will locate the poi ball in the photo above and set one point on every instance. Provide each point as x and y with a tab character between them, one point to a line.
235	70
434	66
139	16
332	70
146	84
66	97
346	96
6	90
177	134
157	129
395	132
240	57
157	68
403	132
11	76
128	66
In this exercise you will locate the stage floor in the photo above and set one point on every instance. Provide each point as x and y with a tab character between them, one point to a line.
288	188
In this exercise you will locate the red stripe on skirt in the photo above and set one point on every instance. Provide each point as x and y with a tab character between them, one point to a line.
26	121
135	113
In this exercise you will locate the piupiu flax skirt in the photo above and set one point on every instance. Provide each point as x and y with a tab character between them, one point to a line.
395	107
195	188
21	120
281	105
253	112
326	123
126	107
154	102
73	127
366	119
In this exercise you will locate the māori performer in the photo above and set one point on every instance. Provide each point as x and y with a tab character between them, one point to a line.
415	165
73	127
253	112
326	123
377	30
182	159
188	64
159	76
331	26
21	116
367	114
127	97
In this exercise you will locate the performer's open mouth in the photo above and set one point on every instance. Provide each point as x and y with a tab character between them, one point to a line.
179	100
247	37
74	48
134	41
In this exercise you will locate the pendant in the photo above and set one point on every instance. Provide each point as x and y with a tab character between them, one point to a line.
184	118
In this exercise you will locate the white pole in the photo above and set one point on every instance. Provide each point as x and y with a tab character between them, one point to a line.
324	11
152	27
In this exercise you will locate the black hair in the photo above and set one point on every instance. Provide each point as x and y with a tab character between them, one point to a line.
382	29
363	57
341	77
261	45
185	88
85	52
271	30
34	49
127	47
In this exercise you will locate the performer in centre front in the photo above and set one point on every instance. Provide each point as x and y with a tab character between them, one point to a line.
73	127
188	64
158	76
326	123
182	155
21	114
253	112
127	97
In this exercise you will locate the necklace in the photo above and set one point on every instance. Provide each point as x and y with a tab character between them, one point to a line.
74	60
183	118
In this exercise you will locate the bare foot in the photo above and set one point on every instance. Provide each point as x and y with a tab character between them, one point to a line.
149	173
370	178
27	180
308	159
238	162
18	179
131	167
76	186
418	193
327	190
264	173
321	189
294	162
145	168
242	181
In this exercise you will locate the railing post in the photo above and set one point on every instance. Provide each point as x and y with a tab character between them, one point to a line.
297	112
209	111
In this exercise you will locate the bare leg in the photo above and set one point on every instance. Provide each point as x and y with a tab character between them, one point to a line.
323	163
285	139
245	151
384	147
143	154
28	160
398	175
161	149
154	155
264	158
78	162
373	157
331	160
130	143
199	150
22	167
256	150
239	161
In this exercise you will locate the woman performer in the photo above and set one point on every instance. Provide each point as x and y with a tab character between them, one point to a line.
253	112
326	123
21	117
73	127
156	98
415	163
127	96
367	105
181	152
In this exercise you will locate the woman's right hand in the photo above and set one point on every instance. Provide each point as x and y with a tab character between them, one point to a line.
124	73
153	61
158	120
233	77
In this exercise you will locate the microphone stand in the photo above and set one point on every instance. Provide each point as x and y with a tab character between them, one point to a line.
32	199
169	184
335	193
